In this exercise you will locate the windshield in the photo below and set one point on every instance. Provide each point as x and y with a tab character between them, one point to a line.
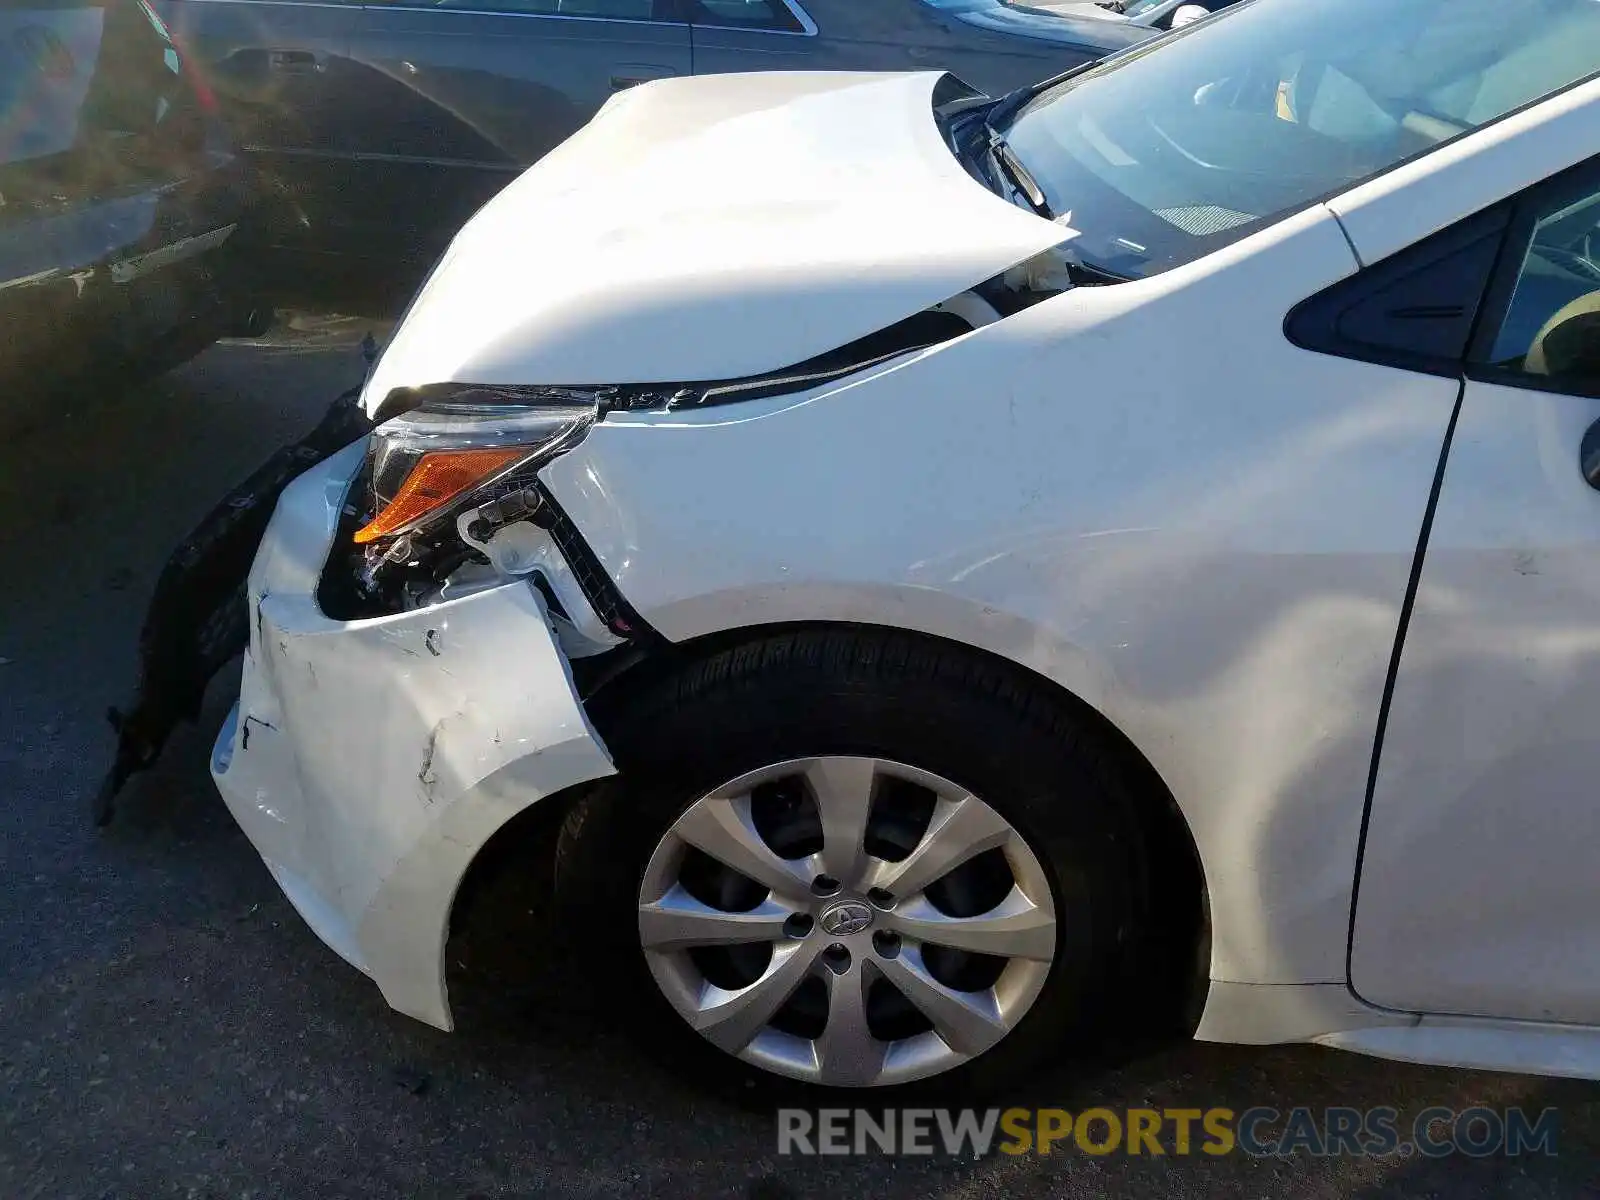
1167	152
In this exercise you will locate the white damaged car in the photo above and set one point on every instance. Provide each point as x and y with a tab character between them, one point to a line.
968	575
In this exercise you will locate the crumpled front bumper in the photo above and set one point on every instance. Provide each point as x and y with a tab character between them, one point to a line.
369	761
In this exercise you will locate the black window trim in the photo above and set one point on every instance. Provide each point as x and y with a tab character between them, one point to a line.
1313	323
1527	207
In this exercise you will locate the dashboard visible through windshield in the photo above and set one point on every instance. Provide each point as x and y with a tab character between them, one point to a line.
1167	152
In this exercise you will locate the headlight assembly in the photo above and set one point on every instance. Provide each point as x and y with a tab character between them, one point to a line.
458	443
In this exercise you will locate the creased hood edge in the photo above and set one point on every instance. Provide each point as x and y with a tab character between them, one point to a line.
712	228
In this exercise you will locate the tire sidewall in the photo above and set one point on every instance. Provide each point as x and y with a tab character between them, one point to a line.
1053	793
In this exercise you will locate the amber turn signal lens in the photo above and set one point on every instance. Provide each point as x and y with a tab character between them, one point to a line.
438	478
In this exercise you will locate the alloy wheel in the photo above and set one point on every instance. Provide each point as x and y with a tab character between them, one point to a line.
847	921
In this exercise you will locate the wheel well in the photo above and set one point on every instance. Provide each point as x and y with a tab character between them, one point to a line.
1175	972
1181	959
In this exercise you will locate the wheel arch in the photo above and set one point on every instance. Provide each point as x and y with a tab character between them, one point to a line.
1180	962
1178	871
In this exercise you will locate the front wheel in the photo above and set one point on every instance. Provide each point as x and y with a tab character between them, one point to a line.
855	860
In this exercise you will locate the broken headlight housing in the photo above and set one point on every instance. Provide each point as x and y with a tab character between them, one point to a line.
456	446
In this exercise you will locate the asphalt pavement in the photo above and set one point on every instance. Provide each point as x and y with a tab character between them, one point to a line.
168	1027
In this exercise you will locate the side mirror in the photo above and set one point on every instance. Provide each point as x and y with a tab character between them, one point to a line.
1185	14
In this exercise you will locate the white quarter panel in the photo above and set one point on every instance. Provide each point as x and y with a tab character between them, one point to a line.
1478	887
1141	491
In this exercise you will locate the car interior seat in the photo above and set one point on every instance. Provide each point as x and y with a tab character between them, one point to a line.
1567	348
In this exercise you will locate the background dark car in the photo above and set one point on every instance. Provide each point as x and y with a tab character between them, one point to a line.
119	199
382	126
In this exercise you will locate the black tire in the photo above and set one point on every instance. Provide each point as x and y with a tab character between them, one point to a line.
931	705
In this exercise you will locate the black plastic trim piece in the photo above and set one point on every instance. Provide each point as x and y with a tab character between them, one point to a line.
1544	385
594	580
1415	310
916	332
199	618
786	382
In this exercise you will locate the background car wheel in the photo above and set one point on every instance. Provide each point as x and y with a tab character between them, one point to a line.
855	860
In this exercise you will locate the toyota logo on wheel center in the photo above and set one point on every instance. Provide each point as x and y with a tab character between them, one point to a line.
846	917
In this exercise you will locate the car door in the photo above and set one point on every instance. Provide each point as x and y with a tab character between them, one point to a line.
849	35
462	95
1478	891
284	82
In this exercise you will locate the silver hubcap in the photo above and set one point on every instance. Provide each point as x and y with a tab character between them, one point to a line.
848	921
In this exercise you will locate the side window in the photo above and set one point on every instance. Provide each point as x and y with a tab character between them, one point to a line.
774	15
1550	335
612	10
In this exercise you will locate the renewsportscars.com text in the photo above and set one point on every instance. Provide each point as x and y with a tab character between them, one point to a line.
1260	1132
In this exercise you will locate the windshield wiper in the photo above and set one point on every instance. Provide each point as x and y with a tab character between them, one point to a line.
1085	275
1011	103
1017	175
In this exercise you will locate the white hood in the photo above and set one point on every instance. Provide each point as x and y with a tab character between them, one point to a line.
711	228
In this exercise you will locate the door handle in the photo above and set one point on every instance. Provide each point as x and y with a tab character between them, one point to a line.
294	62
630	75
1589	455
